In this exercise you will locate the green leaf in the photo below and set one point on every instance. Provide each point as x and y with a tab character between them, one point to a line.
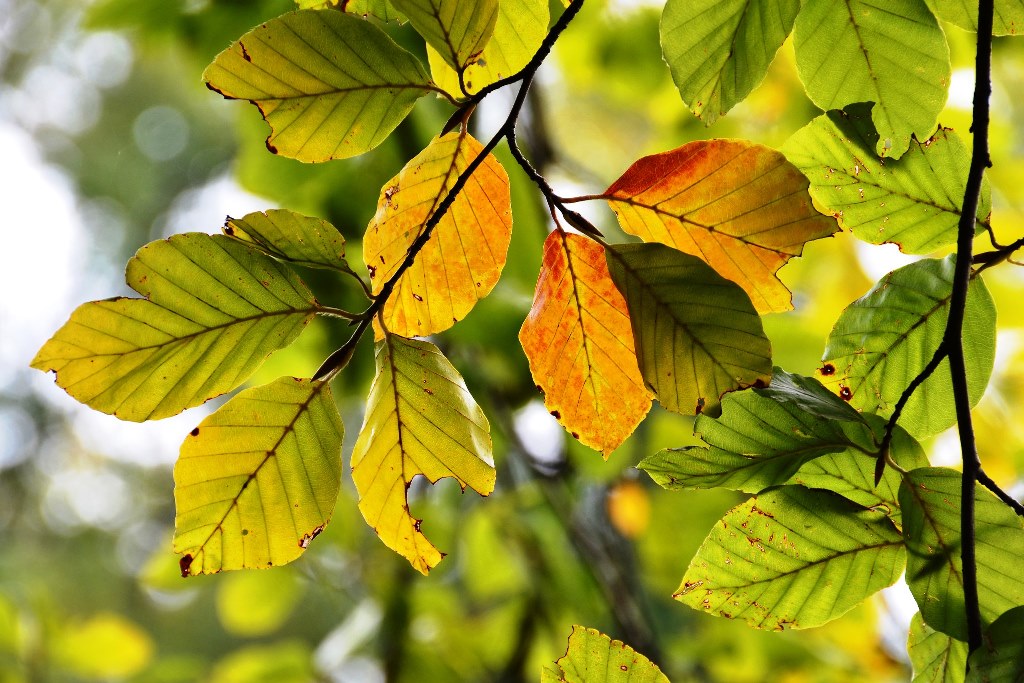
380	9
1007	21
593	657
420	420
330	85
792	558
720	51
257	480
936	657
890	52
763	437
697	334
1000	659
884	339
913	202
518	34
457	29
290	236
930	499
214	310
282	662
253	604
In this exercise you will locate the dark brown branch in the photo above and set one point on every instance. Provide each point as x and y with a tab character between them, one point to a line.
1002	495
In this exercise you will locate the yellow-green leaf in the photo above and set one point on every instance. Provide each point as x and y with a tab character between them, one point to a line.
936	657
214	310
697	334
462	260
290	236
457	29
518	34
593	657
105	646
380	9
740	207
420	420
257	480
580	345
330	84
1007	19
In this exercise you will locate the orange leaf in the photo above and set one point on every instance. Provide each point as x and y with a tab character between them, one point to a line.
579	342
462	260
740	207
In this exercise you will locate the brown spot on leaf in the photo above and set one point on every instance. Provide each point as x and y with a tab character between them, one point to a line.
554	413
575	435
185	563
845	392
417	524
372	269
195	432
417	296
759	383
828	369
270	146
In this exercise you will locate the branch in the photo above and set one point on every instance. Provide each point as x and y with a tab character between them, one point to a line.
1003	253
1002	495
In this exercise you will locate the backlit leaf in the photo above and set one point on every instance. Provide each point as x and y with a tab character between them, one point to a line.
913	202
420	420
331	85
719	51
697	335
257	480
214	310
290	236
1000	659
1008	19
890	52
792	558
381	9
457	29
579	343
593	657
884	339
740	207
936	657
462	260
518	34
930	499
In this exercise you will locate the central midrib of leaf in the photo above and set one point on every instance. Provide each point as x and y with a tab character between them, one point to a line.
947	552
579	316
864	51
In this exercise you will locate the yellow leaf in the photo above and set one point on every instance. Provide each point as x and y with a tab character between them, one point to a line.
740	207
105	646
462	260
420	420
579	343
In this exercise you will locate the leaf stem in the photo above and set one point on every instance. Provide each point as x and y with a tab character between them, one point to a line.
333	312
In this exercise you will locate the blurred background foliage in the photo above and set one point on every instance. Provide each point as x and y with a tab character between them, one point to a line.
109	140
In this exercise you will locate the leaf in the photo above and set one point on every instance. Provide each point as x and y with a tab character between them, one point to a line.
930	499
740	207
462	260
913	202
330	85
518	34
257	480
457	29
762	438
697	335
884	339
87	648
290	236
1000	659
936	657
1008	19
890	52
380	9
593	657
580	345
720	51
792	558
420	420
254	604
214	310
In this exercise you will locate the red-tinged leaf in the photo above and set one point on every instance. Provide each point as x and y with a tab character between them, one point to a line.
740	207
579	342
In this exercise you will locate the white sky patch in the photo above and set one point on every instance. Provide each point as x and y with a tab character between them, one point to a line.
204	208
961	89
540	433
877	260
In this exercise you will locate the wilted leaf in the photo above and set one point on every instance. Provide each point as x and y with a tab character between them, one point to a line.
884	339
257	480
740	207
593	657
1000	659
930	499
420	420
792	558
697	334
719	51
518	34
1008	19
936	657
462	260
214	310
913	202
290	236
330	84
457	29
580	345
890	52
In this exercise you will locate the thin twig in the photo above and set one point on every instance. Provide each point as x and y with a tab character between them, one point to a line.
1003	253
1002	495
